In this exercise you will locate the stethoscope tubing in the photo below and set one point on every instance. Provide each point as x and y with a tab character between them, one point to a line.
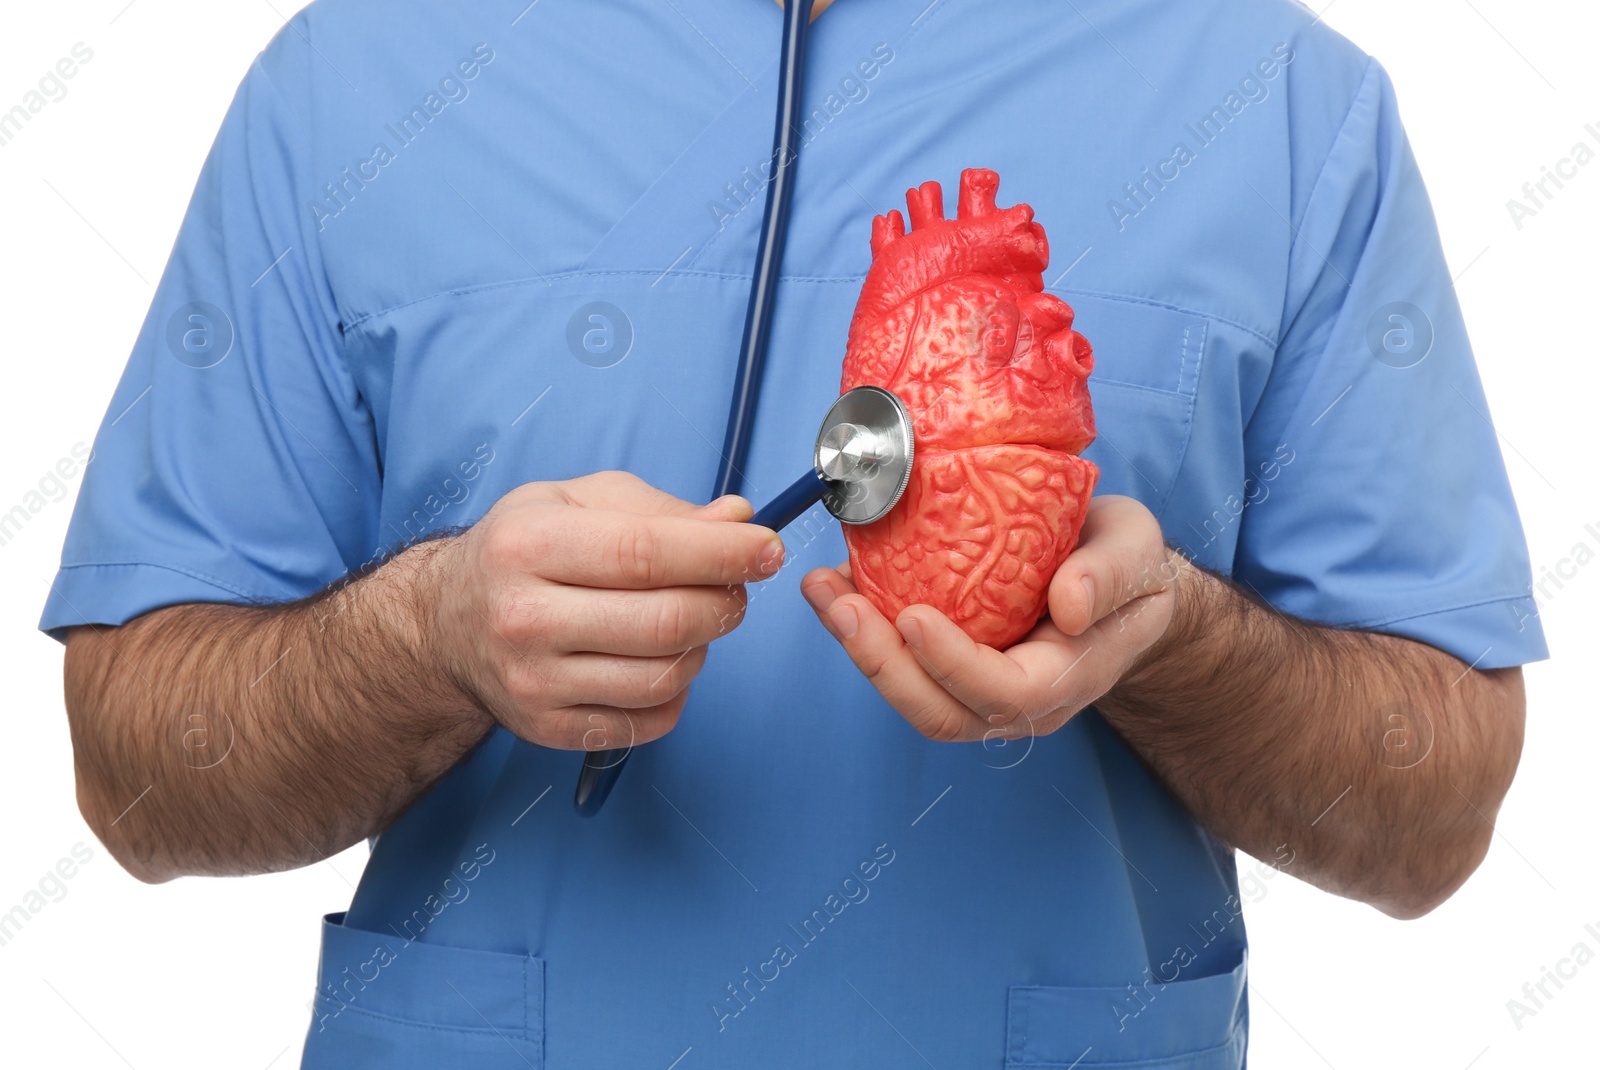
602	768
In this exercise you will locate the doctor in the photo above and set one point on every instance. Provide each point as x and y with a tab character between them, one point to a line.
358	508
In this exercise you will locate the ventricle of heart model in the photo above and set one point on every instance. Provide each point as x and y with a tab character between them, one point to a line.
953	318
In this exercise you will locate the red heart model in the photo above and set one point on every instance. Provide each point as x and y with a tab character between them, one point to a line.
953	318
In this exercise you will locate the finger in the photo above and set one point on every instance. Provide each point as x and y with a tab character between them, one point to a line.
620	550
662	622
878	650
1035	682
626	683
1082	667
1039	682
728	507
1024	687
1122	636
1120	557
589	727
979	677
821	586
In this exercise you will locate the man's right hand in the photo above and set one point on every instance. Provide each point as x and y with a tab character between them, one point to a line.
578	612
573	613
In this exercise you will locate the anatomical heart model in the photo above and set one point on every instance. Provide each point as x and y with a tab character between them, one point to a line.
953	319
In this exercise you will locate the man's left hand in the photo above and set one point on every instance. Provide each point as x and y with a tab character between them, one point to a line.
1110	601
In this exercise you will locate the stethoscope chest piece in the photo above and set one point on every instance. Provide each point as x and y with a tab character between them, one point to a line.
864	453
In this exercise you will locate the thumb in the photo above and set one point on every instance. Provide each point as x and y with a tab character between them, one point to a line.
625	492
728	507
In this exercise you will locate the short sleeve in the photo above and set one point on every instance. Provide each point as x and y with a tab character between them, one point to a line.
237	460
1389	506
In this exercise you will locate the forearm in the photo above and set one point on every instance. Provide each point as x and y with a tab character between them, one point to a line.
217	739
1272	731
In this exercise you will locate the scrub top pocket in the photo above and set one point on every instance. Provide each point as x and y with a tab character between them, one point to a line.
385	1002
1146	377
1194	1023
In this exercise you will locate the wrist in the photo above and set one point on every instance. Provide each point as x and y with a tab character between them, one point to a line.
408	605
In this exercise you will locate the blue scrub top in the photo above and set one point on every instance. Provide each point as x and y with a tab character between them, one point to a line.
442	250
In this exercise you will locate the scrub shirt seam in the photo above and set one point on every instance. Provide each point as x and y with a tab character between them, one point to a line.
1186	432
1027	1007
1457	608
507	284
1298	228
1170	307
489	1030
219	584
338	328
1144	387
1333	145
726	276
1028	1062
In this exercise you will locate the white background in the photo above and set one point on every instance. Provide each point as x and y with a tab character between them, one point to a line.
207	973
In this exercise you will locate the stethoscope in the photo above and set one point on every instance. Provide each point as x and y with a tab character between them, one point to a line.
861	462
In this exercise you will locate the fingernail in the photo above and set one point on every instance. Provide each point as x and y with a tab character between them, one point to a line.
819	595
911	631
1088	587
771	558
846	621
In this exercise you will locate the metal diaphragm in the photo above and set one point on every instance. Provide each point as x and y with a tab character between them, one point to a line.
864	451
